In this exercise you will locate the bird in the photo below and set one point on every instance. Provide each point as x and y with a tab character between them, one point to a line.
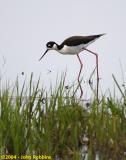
73	46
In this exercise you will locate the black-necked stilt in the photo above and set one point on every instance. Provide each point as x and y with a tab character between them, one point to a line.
73	46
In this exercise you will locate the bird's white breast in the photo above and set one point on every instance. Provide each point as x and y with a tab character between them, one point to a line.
71	50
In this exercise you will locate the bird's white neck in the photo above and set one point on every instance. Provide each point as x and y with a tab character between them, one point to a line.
55	47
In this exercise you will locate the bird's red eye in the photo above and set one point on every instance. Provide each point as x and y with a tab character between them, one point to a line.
49	45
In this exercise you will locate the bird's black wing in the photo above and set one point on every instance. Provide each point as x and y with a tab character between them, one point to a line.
77	40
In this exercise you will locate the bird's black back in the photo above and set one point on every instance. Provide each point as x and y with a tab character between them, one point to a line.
77	40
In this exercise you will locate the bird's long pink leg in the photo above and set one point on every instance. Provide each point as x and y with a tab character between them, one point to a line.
97	67
81	64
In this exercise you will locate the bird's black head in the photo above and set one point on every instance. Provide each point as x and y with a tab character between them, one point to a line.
51	45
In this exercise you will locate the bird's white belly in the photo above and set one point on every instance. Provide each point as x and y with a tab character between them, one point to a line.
71	50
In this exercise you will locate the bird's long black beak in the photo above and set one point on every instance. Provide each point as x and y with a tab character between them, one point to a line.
43	54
